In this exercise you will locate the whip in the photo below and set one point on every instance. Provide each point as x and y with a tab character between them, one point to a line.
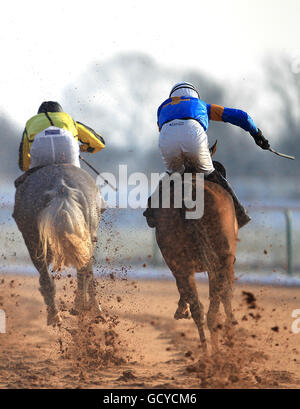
97	173
282	154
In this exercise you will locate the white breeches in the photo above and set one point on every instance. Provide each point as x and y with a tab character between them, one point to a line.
182	143
54	145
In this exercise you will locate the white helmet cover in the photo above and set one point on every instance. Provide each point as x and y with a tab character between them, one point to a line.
184	89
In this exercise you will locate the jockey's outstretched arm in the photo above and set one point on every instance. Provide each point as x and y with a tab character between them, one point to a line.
92	141
239	118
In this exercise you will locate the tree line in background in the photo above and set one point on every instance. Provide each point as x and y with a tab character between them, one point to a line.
119	98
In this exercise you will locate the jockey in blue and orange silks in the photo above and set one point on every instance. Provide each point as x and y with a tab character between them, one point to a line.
183	120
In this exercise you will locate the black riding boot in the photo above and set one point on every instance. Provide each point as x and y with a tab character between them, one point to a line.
240	211
148	213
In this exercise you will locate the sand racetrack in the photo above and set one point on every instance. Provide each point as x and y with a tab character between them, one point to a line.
138	344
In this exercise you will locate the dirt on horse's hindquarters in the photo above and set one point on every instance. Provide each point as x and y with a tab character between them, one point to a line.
136	343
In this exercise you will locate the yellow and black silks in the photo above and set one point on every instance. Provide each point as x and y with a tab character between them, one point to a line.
91	141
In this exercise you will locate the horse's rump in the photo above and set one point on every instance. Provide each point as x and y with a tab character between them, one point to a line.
58	207
63	231
198	244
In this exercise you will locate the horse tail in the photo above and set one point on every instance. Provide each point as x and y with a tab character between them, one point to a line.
63	230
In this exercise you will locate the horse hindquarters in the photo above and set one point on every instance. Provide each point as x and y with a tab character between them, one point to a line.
64	234
58	223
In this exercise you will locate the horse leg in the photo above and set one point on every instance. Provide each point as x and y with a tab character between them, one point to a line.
48	290
86	287
81	303
94	306
188	294
226	294
47	285
183	311
220	290
212	314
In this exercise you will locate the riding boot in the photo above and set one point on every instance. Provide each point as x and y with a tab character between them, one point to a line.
149	213
240	211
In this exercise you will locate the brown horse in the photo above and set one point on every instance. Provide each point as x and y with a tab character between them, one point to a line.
206	244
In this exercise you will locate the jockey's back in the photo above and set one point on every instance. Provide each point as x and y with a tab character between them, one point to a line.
194	108
40	122
92	141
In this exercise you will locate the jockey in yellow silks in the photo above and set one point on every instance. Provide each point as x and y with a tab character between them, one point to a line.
52	136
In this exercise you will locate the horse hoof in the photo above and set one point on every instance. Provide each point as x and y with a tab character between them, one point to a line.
95	313
179	315
95	309
54	319
73	311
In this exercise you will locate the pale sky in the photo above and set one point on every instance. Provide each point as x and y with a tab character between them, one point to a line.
45	46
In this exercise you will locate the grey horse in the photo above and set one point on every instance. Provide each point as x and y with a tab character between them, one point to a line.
58	209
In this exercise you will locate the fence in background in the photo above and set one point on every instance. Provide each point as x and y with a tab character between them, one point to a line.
269	242
288	213
288	232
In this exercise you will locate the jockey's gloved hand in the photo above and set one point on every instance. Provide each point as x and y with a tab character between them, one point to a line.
86	148
261	141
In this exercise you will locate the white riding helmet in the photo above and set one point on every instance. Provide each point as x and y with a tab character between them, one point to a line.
184	89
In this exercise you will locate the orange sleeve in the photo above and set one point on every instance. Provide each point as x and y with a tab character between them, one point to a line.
216	112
